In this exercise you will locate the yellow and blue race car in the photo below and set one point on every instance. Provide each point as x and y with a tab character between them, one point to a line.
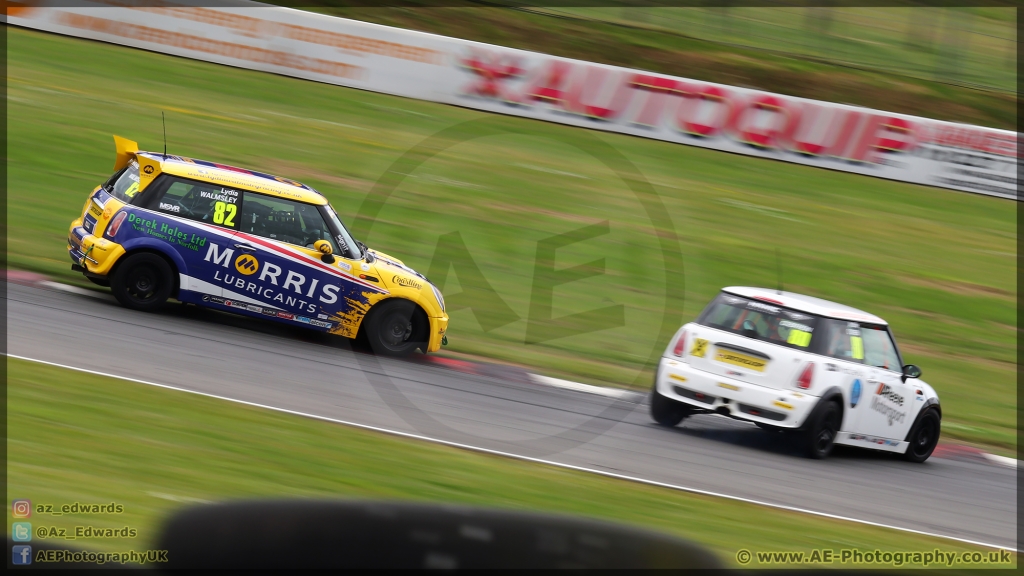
250	243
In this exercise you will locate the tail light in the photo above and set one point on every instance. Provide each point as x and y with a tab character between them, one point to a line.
680	344
115	225
804	381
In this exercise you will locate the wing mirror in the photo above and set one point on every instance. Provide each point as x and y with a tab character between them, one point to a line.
325	250
910	371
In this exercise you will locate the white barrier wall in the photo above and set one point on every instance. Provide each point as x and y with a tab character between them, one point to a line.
520	83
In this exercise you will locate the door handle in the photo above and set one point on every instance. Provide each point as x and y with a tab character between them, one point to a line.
245	247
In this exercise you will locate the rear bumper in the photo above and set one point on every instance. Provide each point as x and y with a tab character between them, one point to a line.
96	255
742	400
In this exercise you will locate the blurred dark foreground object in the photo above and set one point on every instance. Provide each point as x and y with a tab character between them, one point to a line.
297	534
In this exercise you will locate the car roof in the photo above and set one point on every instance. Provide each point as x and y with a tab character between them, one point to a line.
804	303
243	178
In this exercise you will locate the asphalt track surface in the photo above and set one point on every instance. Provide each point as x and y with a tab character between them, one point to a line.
292	369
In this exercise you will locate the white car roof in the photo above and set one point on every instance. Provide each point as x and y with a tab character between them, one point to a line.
808	304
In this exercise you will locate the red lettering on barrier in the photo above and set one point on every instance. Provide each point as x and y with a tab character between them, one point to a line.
592	86
493	71
760	136
687	117
658	90
990	142
864	147
897	135
848	128
551	87
813	128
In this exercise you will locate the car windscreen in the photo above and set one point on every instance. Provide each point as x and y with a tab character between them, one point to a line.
348	246
760	320
125	184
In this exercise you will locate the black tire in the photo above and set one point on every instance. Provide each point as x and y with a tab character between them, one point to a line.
923	437
396	328
143	282
820	435
105	282
666	411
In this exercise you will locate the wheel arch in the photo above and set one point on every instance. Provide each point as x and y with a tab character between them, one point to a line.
173	260
833	395
360	331
930	405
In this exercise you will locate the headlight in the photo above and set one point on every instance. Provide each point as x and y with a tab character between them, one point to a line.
437	294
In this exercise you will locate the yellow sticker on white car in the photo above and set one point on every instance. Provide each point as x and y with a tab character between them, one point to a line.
857	347
728	386
737	359
700	347
799	338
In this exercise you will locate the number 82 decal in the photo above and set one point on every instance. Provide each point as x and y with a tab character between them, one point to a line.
224	213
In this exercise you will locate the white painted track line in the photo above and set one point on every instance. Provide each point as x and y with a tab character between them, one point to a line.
599	390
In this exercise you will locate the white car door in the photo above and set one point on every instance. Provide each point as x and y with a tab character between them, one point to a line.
887	402
845	368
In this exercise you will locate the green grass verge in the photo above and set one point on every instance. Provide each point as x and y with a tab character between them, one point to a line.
76	437
939	265
910	41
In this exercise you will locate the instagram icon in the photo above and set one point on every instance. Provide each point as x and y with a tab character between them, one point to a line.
21	508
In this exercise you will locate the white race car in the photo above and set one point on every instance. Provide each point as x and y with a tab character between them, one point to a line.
784	361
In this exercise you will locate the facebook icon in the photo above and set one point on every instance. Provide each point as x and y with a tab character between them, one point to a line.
21	555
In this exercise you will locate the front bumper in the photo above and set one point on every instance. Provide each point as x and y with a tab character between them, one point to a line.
742	400
438	326
97	255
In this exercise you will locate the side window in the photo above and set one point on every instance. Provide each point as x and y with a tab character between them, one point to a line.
879	350
200	201
284	220
844	341
126	185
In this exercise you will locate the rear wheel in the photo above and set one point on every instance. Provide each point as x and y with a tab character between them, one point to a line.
820	436
666	411
143	282
923	438
396	328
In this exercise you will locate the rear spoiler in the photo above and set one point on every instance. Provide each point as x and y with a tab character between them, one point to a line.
126	149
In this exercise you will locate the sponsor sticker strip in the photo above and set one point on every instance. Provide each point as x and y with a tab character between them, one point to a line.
267	311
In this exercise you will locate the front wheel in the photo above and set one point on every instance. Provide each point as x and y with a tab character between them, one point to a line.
666	411
923	438
143	282
396	328
820	436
